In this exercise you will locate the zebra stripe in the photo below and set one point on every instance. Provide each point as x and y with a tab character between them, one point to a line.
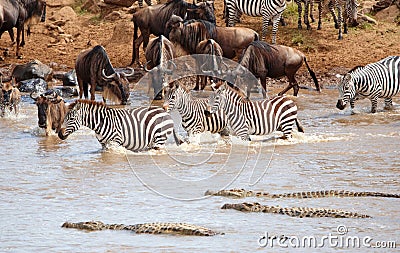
268	9
375	80
192	111
255	117
135	129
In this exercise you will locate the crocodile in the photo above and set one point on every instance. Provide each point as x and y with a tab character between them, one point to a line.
300	212
148	228
242	193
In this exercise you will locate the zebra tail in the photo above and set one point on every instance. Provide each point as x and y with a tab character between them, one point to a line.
312	75
299	126
177	139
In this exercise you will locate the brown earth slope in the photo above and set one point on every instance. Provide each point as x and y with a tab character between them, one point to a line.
59	46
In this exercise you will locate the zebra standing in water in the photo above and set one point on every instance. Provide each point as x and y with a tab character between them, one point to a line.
135	129
255	117
268	9
375	80
193	112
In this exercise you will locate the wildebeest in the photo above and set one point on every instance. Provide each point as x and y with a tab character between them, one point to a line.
189	34
265	60
152	20
16	13
10	97
209	59
158	54
51	110
94	67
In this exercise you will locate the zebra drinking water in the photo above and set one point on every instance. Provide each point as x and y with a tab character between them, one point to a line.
375	80
135	129
255	117
268	9
192	111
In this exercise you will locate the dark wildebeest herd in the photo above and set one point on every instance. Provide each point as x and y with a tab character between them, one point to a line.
180	29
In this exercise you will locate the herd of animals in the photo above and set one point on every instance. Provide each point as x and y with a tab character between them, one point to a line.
183	28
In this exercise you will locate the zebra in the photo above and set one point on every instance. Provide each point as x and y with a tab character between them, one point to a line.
268	9
350	12
262	117
195	118
135	129
375	80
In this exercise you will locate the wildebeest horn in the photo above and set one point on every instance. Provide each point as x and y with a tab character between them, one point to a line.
103	72
131	73
145	66
34	97
169	71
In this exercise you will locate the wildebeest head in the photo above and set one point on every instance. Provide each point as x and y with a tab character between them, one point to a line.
204	11
42	102
159	78
347	91
6	90
117	88
36	10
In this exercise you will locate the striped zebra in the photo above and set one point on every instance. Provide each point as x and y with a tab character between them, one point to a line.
135	129
255	117
268	9
375	80
342	16
193	112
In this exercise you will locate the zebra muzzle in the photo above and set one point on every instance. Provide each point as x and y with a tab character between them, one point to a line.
340	105
61	134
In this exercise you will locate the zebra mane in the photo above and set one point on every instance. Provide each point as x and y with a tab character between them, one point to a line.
238	91
85	101
355	68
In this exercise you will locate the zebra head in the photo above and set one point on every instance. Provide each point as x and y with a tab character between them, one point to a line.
347	91
217	99
175	97
72	120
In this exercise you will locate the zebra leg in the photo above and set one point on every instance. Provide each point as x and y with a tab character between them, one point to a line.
140	3
265	22
320	15
352	104
275	22
340	17
306	21
388	104
311	4
331	6
374	102
287	129
300	11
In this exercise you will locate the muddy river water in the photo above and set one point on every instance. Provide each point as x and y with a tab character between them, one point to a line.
45	181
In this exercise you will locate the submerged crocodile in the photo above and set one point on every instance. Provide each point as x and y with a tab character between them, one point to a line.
148	228
300	212
242	193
